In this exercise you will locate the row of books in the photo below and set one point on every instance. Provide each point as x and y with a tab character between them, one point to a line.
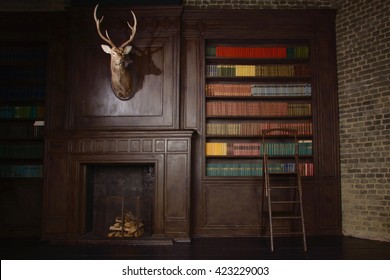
247	89
305	147
232	149
22	112
226	70
253	169
253	108
21	131
25	171
255	129
26	151
258	52
234	169
296	109
22	94
304	168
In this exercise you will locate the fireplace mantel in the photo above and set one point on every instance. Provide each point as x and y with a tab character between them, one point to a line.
68	154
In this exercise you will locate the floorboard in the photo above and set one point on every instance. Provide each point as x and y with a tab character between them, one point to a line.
319	248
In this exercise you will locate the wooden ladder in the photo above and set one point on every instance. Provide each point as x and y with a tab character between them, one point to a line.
282	200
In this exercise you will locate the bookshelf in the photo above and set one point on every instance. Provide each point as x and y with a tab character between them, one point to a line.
22	115
22	96
250	87
306	100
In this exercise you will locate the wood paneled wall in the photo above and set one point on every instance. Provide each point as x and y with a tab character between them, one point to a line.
86	123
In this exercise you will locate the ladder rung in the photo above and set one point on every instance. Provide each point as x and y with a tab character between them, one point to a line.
285	217
285	202
276	234
285	195
288	233
283	187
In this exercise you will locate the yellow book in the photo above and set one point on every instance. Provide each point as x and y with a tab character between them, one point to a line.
216	149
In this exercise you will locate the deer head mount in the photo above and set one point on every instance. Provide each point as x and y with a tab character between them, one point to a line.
121	77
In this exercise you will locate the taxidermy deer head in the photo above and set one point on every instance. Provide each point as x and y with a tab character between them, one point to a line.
121	78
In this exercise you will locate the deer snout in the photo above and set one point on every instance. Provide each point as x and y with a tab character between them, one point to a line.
120	61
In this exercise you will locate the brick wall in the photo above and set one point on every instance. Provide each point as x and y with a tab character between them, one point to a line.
258	4
37	5
363	49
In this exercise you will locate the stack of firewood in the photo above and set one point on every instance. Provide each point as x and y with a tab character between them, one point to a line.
131	227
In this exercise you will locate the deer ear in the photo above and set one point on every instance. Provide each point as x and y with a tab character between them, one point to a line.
106	49
127	49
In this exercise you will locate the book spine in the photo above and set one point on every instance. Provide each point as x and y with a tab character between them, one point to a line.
22	112
23	171
223	70
234	169
255	108
274	52
255	129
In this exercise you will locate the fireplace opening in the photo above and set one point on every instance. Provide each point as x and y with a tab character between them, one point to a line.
120	201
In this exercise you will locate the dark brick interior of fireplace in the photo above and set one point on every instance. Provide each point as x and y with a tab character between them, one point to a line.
111	187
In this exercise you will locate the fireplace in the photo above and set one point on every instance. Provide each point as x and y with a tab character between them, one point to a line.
159	161
88	126
120	201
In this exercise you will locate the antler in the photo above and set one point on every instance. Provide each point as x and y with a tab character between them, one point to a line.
133	30
107	39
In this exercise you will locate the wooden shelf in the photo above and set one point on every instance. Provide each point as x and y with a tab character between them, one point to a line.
261	98
289	118
303	137
258	79
277	83
257	157
255	61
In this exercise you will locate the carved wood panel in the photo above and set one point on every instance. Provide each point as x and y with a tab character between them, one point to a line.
168	152
231	205
153	62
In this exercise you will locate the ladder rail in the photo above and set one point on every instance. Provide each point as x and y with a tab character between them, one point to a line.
267	187
300	197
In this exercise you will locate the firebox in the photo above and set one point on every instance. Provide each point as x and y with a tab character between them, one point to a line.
120	201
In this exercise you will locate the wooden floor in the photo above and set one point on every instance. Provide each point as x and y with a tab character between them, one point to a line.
319	248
